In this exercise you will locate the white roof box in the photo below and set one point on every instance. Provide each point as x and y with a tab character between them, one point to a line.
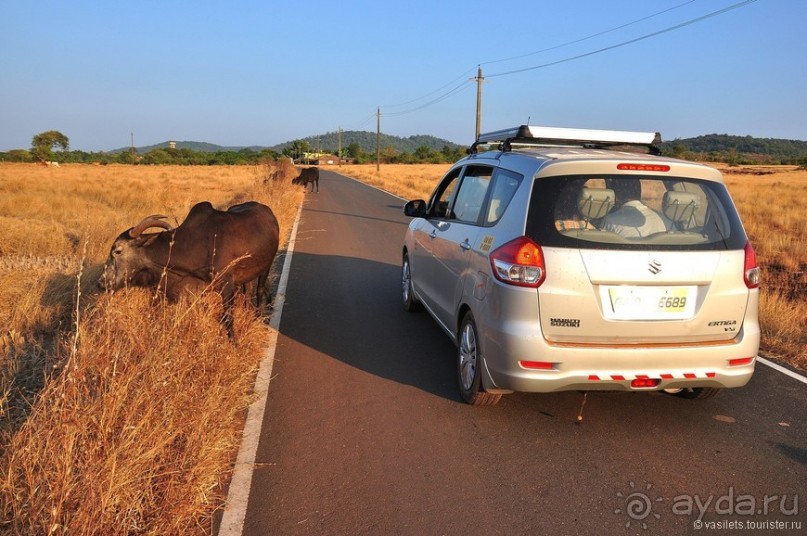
536	135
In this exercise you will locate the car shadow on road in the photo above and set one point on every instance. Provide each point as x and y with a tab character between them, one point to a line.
349	309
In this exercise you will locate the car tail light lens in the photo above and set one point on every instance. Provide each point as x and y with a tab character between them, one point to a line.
741	361
643	167
519	262
644	383
751	272
537	365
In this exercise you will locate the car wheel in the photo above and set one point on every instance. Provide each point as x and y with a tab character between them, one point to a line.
695	393
410	302
469	373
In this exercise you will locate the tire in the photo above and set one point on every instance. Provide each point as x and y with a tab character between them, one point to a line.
469	374
410	302
697	393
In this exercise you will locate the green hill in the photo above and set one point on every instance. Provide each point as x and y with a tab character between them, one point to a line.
738	149
198	146
329	142
710	147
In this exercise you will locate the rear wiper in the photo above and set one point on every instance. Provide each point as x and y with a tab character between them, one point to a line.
722	236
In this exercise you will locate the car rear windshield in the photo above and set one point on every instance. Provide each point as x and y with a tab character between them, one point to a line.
633	212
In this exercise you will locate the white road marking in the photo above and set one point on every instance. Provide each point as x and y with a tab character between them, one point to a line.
783	370
232	521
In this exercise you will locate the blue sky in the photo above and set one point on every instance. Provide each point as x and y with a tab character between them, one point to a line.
245	73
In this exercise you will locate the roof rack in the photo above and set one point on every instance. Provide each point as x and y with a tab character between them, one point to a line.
574	137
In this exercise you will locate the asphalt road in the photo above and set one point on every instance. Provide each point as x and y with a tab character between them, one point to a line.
364	431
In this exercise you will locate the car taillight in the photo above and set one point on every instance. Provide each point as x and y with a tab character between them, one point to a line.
644	383
741	361
519	262
643	167
751	269
537	365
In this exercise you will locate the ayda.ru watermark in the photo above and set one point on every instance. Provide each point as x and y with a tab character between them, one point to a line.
643	506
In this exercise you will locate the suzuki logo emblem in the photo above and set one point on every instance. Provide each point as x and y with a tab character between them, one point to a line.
654	267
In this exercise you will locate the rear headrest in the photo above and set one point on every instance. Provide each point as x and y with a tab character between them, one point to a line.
679	206
595	203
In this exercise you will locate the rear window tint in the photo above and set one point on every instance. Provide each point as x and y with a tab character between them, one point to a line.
633	212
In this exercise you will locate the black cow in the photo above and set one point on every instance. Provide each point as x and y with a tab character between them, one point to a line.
308	175
211	248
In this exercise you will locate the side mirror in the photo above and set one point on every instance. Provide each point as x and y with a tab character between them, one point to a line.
415	209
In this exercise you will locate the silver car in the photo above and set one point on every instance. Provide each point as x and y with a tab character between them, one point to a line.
563	259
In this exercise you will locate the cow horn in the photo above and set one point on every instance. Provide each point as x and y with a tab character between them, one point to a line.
155	220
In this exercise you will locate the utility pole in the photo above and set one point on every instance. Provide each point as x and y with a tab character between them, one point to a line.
378	142
479	79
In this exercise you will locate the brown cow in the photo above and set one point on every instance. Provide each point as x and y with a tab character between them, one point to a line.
222	249
308	175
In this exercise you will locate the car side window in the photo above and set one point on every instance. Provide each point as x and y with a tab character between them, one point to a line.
505	184
443	196
471	195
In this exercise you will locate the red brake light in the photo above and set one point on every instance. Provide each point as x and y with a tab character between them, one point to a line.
741	361
519	262
644	383
537	365
643	167
751	272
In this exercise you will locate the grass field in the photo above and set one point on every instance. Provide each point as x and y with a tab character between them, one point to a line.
120	414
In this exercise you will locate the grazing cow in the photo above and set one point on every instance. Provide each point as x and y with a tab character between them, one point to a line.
308	175
221	249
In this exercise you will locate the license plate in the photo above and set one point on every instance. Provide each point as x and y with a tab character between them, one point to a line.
649	303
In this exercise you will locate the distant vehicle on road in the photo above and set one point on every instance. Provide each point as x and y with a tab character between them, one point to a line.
563	259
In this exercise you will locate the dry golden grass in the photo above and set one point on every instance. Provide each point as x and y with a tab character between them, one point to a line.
770	202
769	199
120	413
410	181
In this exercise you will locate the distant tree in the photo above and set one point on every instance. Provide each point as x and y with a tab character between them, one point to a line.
157	157
679	150
388	153
452	154
354	150
297	148
19	155
43	143
125	157
423	153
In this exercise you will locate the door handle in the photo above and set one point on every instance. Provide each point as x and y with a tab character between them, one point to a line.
465	245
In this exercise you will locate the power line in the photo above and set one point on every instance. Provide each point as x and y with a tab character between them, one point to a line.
460	77
466	73
357	125
466	83
589	36
631	41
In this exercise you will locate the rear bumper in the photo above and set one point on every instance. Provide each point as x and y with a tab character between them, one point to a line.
614	368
